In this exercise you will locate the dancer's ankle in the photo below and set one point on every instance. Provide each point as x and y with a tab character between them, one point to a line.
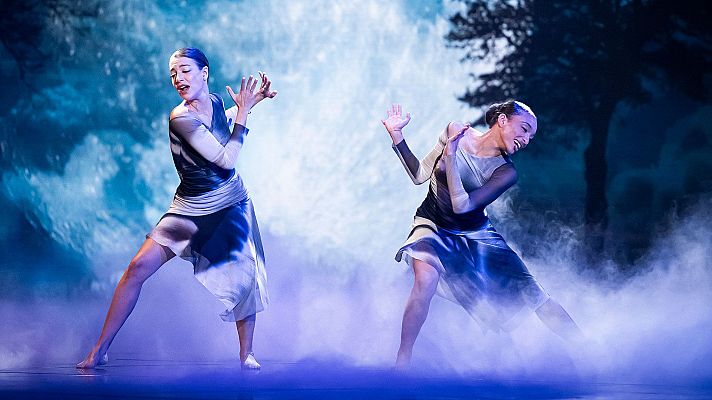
403	360
244	354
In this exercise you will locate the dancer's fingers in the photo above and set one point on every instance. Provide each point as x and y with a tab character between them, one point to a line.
263	82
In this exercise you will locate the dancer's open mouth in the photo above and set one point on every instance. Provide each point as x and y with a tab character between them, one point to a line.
517	145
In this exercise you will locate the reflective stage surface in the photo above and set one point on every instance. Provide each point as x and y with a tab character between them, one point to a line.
144	379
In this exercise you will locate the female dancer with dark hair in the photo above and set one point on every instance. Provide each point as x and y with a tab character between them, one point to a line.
211	221
452	247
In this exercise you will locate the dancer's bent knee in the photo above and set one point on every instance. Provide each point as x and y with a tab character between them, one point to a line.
426	278
149	258
136	273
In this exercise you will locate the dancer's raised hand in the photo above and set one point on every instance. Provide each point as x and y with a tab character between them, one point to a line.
246	98
454	141
395	122
264	91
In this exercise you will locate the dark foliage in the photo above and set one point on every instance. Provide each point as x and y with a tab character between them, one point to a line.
575	61
33	32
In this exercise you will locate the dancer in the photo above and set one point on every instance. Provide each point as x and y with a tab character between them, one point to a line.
211	221
452	247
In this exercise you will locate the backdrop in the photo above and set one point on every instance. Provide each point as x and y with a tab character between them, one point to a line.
87	172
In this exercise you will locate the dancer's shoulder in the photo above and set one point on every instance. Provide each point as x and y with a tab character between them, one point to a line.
181	110
182	122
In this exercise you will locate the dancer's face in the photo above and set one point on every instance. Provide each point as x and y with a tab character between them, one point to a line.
187	78
517	131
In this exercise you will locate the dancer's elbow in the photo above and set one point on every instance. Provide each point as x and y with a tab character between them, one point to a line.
225	162
454	127
417	181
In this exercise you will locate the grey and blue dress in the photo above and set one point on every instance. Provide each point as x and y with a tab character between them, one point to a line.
211	221
477	269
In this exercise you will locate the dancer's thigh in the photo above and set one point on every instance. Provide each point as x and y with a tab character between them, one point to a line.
148	260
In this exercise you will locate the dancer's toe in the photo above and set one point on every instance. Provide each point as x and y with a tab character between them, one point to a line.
250	363
87	363
91	361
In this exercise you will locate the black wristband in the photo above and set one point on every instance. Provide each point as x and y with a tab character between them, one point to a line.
245	129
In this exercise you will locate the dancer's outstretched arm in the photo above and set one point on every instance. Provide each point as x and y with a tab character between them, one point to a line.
418	171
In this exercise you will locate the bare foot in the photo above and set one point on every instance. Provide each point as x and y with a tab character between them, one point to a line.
91	361
402	361
402	365
250	363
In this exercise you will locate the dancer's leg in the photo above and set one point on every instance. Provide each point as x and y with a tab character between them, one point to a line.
149	258
416	309
553	315
245	333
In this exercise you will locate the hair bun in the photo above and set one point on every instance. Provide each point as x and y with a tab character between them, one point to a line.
508	108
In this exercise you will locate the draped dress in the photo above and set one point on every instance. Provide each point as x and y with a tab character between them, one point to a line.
478	270
211	221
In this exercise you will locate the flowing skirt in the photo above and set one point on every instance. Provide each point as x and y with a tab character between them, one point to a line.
477	271
226	252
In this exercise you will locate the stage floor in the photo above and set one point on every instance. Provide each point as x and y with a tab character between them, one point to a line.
133	378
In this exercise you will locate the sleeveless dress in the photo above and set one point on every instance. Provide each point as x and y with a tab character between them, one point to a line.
211	221
477	268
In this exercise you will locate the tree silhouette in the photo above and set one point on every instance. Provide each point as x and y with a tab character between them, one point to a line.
575	61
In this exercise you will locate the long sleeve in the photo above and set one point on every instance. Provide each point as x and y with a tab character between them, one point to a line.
420	171
231	115
200	138
500	180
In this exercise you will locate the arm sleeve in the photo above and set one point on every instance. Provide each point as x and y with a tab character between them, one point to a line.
231	115
200	138
420	171
501	179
